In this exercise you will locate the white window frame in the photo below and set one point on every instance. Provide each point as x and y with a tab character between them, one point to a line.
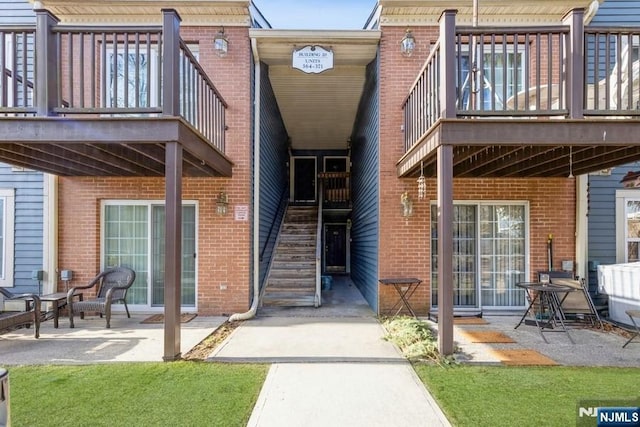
150	204
8	248
510	49
154	98
622	197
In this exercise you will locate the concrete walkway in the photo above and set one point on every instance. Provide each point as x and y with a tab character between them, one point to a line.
331	366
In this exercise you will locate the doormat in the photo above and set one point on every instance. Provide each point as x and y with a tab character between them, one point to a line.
486	337
523	358
468	320
159	318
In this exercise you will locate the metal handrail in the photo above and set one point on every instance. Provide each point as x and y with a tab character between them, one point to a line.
284	201
318	295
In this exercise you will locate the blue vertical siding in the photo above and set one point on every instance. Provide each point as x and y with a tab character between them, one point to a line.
365	217
617	13
28	253
602	189
28	224
273	169
16	12
611	13
602	213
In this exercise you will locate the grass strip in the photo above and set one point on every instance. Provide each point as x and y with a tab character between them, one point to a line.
135	394
523	396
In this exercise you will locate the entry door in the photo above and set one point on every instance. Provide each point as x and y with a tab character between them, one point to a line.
335	247
304	179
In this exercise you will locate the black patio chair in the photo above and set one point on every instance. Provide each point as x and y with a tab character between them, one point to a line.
112	286
31	315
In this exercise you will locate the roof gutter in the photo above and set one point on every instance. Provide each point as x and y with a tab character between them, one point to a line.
256	192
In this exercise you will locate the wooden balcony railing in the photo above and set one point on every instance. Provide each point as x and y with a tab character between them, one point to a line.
17	64
565	71
110	71
336	188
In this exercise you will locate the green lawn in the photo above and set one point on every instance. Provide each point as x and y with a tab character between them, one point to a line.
523	396
134	394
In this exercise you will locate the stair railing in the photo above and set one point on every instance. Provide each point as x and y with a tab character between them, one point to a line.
318	295
282	207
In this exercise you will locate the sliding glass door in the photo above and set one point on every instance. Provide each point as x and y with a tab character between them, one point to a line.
489	255
134	234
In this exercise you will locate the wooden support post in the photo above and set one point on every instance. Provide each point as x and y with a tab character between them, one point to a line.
173	254
445	186
46	68
575	63
173	188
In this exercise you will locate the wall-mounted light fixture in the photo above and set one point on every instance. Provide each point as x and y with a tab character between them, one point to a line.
407	204
407	44
221	43
222	201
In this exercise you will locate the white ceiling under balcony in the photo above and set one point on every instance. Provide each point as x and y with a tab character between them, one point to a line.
318	110
490	12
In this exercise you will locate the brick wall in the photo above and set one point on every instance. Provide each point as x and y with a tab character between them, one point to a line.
404	244
224	245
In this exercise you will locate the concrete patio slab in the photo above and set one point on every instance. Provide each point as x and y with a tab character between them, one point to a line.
128	340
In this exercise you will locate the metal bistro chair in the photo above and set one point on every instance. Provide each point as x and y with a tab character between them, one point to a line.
632	314
112	286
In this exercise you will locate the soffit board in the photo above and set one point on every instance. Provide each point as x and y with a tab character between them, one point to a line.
318	110
490	12
200	13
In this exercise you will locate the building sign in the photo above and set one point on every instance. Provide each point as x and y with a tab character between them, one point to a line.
241	212
313	59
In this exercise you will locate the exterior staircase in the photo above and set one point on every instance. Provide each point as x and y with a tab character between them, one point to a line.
292	277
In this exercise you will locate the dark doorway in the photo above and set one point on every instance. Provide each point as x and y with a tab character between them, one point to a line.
304	172
335	164
335	248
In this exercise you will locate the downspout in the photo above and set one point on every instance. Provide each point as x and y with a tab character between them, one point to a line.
256	192
50	232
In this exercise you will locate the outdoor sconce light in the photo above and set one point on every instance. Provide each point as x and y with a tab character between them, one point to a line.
221	43
221	203
407	44
407	204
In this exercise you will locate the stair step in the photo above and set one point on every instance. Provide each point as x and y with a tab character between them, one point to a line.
292	282
292	279
289	264
285	300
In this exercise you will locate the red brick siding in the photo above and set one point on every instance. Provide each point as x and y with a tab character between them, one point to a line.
404	244
224	245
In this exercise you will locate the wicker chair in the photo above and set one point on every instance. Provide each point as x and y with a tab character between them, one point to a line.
112	286
13	319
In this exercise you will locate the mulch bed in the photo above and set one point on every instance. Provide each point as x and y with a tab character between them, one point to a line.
210	343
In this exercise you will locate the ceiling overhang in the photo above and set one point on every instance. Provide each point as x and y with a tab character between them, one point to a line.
147	12
525	148
318	110
108	147
490	12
